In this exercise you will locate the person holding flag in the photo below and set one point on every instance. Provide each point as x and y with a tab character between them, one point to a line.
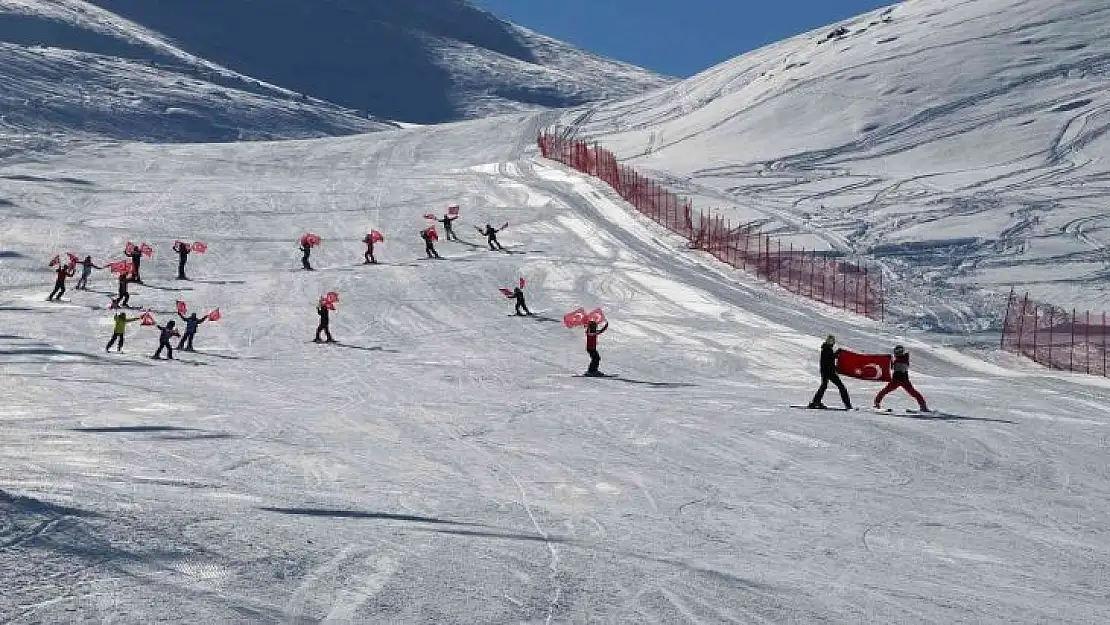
323	309
829	356
119	327
123	299
900	378
368	257
448	222
429	235
306	252
87	266
592	332
135	253
491	237
165	333
183	249
61	273
192	322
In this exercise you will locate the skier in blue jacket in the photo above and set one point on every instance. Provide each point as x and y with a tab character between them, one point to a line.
192	322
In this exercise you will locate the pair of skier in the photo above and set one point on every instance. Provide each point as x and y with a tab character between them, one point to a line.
900	377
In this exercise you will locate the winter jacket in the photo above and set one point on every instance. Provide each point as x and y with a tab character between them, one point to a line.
828	359
591	336
119	323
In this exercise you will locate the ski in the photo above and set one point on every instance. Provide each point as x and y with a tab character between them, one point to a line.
838	409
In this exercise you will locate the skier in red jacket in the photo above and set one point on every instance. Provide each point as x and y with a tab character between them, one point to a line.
901	379
592	332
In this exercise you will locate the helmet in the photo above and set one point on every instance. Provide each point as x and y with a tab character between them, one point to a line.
830	340
899	350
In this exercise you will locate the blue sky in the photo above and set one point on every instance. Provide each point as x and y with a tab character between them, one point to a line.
676	37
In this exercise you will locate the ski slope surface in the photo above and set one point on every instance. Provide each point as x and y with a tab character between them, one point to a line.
962	144
444	463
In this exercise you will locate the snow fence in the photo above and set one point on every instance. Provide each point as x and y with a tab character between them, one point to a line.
809	273
1055	337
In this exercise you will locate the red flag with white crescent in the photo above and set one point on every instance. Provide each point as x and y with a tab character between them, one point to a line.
147	319
506	292
873	367
54	261
596	315
214	315
331	297
575	318
200	247
453	210
147	250
182	308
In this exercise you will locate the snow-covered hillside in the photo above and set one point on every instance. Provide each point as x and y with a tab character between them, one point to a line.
444	464
964	144
220	70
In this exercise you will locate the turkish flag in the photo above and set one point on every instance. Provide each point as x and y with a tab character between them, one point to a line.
429	216
506	292
214	315
575	318
453	211
181	307
376	237
147	250
874	367
596	315
54	261
130	249
332	297
200	247
147	319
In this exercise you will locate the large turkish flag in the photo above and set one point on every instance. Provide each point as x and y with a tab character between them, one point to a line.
875	367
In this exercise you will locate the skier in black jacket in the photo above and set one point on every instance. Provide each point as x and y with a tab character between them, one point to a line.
182	250
491	238
165	333
306	251
829	355
124	298
448	227
136	257
87	266
192	322
325	321
518	295
368	257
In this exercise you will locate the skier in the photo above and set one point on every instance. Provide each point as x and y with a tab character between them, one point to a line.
192	322
136	257
518	295
368	257
124	298
901	379
62	272
429	243
183	250
448	227
592	332
325	320
491	238
165	333
87	266
119	321
828	374
306	251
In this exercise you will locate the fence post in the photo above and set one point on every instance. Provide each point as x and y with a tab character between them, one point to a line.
1103	343
1036	329
1087	342
866	291
1071	352
882	297
1006	320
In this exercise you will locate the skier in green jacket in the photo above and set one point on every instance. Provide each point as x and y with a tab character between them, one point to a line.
120	321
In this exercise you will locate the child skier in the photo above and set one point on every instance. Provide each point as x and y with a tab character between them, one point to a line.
429	243
87	266
165	333
183	250
829	356
61	273
119	326
306	251
448	227
592	332
368	257
518	295
124	298
192	322
325	321
901	379
491	238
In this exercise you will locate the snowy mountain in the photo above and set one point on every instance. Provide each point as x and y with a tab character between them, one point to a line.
446	462
219	70
962	144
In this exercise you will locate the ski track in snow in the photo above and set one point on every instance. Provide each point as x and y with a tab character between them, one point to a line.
444	464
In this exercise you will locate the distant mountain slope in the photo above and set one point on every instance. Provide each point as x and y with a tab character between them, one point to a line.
70	69
421	61
966	145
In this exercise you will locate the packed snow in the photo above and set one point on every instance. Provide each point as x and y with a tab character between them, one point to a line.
961	144
445	462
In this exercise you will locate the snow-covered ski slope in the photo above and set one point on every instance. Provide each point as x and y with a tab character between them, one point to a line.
444	464
231	70
962	143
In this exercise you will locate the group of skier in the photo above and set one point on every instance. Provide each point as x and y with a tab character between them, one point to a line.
900	377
